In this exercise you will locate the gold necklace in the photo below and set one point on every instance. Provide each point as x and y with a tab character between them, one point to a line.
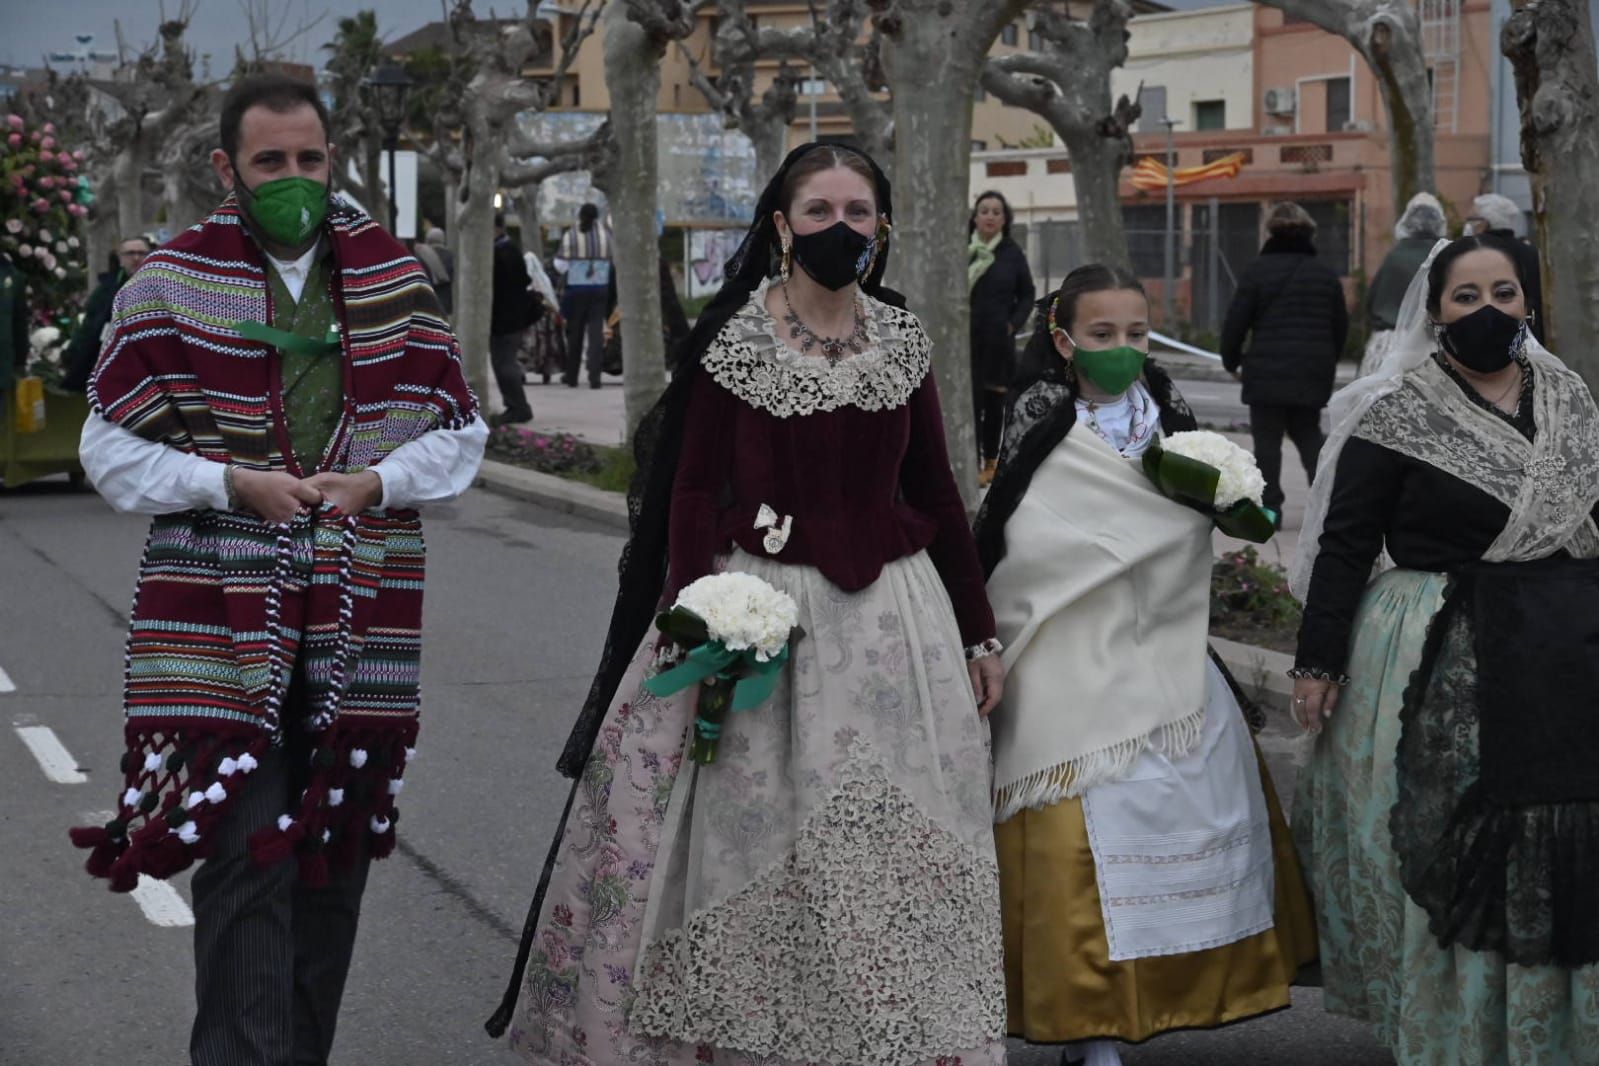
1515	382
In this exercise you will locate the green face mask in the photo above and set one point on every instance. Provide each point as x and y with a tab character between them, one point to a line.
288	211
1112	369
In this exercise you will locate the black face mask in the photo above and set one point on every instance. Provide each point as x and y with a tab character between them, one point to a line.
1485	340
835	256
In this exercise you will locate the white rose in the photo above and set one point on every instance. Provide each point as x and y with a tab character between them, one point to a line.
44	235
61	272
25	251
61	246
73	242
1240	477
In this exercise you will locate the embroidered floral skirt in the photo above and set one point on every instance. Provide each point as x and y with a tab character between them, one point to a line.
1431	1005
824	892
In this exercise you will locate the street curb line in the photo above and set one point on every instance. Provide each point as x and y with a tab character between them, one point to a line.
558	494
1260	671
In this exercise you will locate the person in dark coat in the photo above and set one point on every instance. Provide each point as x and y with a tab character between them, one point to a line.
508	319
1290	309
1492	213
83	351
1417	230
1002	298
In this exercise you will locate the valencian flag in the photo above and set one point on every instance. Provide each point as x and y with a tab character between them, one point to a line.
1150	173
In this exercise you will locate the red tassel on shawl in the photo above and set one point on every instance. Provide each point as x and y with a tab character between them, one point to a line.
178	788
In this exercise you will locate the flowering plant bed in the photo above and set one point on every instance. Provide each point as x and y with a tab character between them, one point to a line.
1250	602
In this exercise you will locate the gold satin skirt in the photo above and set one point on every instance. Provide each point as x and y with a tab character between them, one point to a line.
1060	983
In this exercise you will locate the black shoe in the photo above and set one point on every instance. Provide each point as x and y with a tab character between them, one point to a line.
508	418
594	385
546	379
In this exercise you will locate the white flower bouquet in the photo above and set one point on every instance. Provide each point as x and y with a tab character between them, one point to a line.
735	631
1210	473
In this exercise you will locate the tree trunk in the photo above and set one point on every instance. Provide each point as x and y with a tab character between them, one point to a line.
633	77
474	263
932	149
127	172
770	138
452	209
527	210
1096	175
1550	45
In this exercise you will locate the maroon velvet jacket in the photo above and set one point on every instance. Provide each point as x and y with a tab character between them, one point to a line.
864	487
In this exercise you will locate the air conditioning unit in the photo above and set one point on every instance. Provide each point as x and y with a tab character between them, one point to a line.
1279	102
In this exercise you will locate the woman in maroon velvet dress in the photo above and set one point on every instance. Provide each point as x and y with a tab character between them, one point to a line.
826	890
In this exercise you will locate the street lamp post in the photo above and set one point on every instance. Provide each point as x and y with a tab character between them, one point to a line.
388	86
1167	295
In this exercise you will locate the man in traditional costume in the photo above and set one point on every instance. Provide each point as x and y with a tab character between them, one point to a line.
280	389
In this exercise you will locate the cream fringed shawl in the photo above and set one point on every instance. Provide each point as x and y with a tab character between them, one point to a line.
1103	603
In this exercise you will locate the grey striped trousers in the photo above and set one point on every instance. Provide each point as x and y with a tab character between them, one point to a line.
270	955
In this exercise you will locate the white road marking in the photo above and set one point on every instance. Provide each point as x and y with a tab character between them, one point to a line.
54	759
6	684
161	903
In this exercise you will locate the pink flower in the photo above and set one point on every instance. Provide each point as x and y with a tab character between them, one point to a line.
49	127
34	136
15	121
47	157
67	162
41	205
48	142
15	140
47	182
78	210
66	196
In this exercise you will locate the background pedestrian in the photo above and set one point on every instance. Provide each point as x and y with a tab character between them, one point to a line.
1283	334
1002	298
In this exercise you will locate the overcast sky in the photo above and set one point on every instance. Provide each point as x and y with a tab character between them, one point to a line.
34	27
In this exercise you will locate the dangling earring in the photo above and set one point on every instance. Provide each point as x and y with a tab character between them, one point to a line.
783	269
877	248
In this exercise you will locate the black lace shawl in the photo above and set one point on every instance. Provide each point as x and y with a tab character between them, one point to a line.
1042	410
658	442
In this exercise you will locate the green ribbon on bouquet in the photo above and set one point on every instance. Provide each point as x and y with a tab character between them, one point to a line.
754	680
1193	483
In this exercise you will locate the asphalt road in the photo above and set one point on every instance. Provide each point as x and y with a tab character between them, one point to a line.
517	602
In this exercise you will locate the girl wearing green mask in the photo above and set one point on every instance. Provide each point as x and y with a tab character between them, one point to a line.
1147	881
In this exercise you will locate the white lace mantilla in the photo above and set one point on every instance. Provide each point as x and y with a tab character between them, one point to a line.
875	942
750	360
1550	483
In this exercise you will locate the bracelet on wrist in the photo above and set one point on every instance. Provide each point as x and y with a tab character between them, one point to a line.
991	646
227	485
1306	673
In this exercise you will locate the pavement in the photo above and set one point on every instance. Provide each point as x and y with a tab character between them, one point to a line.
517	606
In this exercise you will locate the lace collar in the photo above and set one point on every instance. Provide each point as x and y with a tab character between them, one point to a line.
750	360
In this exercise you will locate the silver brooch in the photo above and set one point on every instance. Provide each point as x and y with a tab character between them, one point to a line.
776	532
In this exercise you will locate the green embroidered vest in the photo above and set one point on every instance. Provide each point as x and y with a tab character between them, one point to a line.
313	381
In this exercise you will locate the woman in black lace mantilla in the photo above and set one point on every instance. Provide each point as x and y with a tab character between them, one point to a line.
1449	817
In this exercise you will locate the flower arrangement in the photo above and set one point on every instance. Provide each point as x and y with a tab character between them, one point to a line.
732	632
47	345
42	198
1210	473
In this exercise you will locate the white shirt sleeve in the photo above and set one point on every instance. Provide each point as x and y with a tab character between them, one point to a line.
437	466
140	476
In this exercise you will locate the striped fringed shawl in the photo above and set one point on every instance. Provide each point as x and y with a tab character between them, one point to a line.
228	609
